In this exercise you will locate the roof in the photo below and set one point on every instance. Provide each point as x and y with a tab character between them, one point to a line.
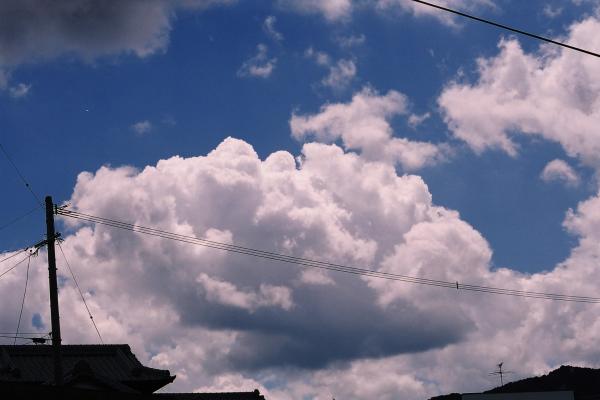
255	395
113	365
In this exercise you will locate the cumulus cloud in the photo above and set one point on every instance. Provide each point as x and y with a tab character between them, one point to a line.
364	124
259	66
552	94
223	321
270	30
142	127
559	170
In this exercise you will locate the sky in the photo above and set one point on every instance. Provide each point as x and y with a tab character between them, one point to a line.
381	134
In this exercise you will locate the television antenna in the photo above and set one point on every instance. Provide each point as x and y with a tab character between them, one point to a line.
500	372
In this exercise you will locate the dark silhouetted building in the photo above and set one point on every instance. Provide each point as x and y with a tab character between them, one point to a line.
90	372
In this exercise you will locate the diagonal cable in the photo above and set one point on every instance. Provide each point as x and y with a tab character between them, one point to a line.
80	293
508	28
23	302
17	219
27	185
14	266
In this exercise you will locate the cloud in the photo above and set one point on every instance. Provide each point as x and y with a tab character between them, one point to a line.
332	10
559	170
37	30
552	94
269	28
228	322
259	66
420	10
351	40
20	90
319	57
341	10
364	124
228	294
142	127
340	74
415	120
551	12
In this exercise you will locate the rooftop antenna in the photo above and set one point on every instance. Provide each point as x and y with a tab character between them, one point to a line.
500	373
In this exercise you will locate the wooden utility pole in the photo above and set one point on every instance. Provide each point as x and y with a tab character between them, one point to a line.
54	315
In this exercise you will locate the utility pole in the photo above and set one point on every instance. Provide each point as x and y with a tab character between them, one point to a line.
56	340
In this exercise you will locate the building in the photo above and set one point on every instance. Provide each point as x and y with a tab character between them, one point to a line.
90	372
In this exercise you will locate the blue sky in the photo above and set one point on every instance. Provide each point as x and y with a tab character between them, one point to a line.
77	115
389	135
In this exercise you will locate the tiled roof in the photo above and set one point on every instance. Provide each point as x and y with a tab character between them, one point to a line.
117	363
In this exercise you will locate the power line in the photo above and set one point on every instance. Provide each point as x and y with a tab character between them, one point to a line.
22	333
14	255
23	302
32	249
506	27
321	264
27	185
14	266
17	219
80	293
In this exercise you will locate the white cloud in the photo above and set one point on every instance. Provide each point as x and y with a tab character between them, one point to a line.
227	293
332	10
20	90
552	94
559	170
223	321
364	124
270	30
341	10
551	11
259	66
415	120
142	127
340	75
420	10
320	57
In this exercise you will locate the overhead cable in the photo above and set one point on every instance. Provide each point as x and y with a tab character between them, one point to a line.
27	185
321	264
20	217
80	293
14	266
23	301
506	27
